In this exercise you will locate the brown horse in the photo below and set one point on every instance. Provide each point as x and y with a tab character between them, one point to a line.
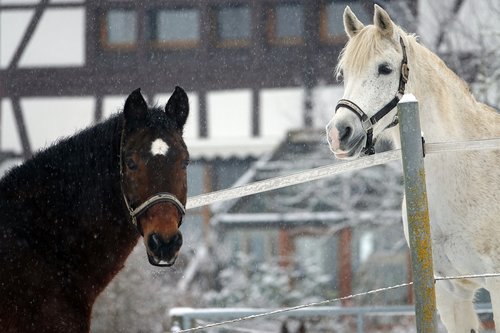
71	215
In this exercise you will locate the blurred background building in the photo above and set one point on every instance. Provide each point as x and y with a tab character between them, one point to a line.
259	74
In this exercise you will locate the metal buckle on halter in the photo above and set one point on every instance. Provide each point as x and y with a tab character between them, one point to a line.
367	124
405	72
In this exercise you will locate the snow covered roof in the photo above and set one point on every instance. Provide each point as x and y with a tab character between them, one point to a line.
230	147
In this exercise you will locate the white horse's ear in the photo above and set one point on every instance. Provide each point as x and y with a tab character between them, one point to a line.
351	23
383	21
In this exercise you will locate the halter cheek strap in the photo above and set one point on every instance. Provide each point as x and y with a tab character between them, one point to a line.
369	122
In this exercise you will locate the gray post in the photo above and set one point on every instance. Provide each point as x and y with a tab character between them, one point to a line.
418	215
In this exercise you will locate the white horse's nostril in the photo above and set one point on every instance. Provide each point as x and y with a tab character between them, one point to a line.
345	133
332	136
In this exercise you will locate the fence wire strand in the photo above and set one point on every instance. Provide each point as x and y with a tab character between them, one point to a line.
283	310
333	300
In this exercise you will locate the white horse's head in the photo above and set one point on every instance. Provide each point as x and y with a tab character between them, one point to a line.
374	70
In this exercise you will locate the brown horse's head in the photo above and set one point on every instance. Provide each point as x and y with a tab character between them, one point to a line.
154	159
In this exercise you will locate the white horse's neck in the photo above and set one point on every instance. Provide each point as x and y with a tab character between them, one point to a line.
448	111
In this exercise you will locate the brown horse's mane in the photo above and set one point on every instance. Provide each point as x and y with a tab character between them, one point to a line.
73	172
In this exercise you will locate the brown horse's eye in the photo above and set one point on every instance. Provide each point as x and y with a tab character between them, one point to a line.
131	164
185	164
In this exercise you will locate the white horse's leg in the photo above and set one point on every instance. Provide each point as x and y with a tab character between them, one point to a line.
493	286
456	308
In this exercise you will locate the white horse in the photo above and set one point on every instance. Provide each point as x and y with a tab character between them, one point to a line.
463	189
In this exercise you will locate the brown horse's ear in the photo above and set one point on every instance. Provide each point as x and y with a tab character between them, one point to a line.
135	108
383	21
177	107
351	23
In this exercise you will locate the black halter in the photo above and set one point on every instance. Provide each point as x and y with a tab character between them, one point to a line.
153	200
368	123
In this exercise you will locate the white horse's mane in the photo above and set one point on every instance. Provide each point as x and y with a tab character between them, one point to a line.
358	51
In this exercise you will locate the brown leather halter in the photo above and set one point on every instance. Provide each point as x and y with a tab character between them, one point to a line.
369	122
151	201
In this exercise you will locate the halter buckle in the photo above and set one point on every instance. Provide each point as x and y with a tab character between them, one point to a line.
367	124
405	72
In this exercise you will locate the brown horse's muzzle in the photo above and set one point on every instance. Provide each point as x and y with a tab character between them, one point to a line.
162	237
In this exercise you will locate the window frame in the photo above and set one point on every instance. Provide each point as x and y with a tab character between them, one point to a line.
173	44
229	43
104	32
272	21
324	34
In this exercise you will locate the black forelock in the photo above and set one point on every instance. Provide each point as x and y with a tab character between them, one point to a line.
158	119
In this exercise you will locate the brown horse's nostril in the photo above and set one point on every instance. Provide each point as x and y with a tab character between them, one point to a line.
157	244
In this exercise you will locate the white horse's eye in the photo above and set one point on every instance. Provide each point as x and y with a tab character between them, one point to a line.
384	69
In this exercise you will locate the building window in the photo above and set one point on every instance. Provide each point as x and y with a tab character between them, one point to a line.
286	24
233	26
119	29
332	22
175	28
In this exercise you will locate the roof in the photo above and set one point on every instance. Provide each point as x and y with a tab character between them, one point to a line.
230	147
363	196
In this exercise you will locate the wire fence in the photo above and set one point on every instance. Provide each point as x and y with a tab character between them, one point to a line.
328	301
328	171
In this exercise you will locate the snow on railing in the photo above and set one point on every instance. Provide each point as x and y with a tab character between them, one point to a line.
333	169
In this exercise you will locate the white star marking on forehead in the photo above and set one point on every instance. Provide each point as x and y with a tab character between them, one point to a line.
159	147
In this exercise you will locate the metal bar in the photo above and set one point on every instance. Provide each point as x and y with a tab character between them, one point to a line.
360	323
186	315
314	311
418	215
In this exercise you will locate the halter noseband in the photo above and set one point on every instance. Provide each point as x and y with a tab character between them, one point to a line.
369	122
153	200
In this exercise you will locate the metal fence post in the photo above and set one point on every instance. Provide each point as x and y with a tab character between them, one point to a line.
418	215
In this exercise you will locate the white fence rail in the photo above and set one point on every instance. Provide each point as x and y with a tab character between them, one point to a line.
333	169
